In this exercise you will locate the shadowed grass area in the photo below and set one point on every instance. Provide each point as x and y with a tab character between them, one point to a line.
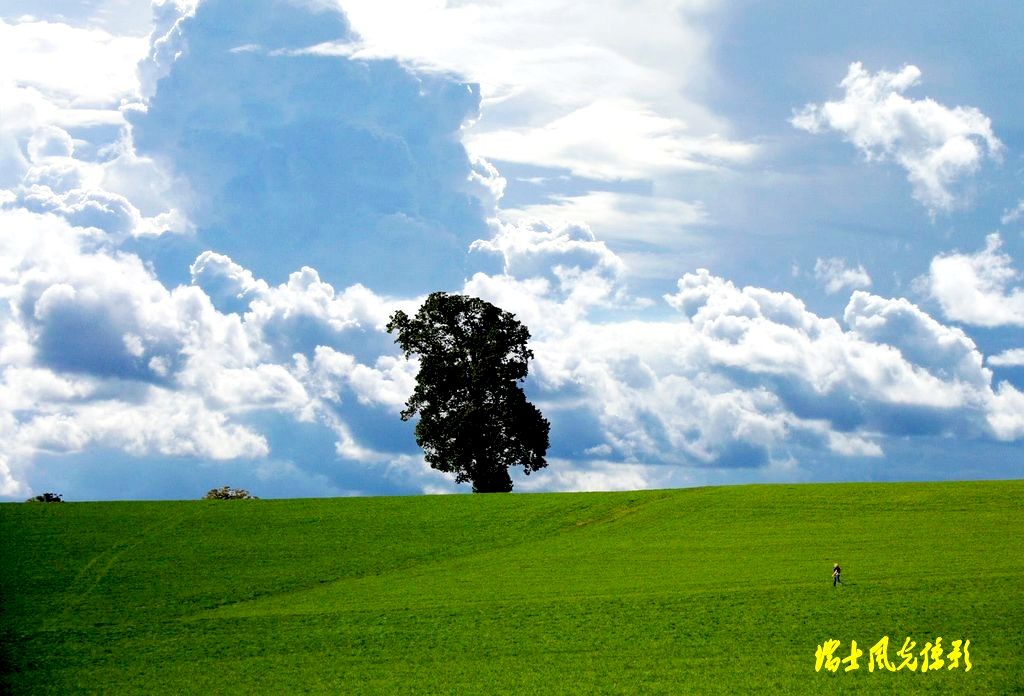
714	590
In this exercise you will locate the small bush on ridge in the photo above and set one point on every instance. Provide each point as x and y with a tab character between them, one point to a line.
46	498
228	493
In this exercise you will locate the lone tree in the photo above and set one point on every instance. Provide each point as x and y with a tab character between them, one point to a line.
475	420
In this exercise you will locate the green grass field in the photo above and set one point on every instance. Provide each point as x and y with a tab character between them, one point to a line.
713	590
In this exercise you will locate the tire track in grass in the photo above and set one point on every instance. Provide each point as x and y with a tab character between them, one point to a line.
269	604
105	560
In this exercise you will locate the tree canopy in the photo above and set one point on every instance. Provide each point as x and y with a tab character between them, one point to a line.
474	419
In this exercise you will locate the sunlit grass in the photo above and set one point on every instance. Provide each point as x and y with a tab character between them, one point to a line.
718	590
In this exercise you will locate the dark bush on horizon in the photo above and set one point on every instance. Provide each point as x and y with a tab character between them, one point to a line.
46	498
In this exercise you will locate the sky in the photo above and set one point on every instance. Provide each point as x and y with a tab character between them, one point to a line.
753	242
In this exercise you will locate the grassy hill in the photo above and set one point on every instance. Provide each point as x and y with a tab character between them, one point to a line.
713	590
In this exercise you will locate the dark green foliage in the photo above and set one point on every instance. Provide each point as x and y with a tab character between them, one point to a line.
228	493
46	498
474	419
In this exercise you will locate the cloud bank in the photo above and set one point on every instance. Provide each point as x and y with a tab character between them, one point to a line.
197	263
328	160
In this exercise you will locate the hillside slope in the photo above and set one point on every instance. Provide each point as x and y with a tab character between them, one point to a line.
714	590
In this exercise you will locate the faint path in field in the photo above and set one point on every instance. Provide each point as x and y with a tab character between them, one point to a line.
92	573
586	521
619	512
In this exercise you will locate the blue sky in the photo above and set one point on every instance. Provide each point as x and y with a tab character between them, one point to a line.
752	242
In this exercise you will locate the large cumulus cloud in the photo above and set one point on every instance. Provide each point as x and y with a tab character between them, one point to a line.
328	160
98	353
95	347
751	377
64	142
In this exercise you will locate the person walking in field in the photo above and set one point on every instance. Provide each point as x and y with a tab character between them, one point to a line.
836	579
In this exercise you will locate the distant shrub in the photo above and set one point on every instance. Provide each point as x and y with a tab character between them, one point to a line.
228	493
46	498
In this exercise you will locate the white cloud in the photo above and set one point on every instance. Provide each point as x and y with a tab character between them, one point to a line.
1013	214
389	383
944	352
935	144
9	485
1006	413
976	288
50	141
836	276
165	44
121	17
644	229
305	311
77	67
853	445
893	354
91	310
564	475
573	264
606	92
98	353
225	282
249	388
1014	357
64	143
93	206
529	300
748	376
166	423
619	217
534	248
611	140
